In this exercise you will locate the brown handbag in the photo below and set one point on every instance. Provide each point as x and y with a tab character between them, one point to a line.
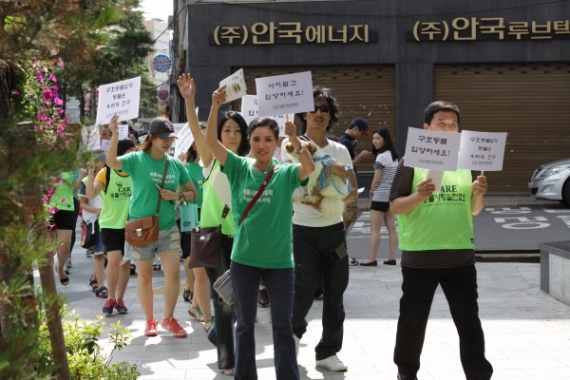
143	231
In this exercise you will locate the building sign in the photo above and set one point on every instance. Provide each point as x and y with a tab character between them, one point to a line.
272	33
487	28
161	63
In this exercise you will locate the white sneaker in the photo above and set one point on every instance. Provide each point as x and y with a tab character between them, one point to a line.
333	363
297	343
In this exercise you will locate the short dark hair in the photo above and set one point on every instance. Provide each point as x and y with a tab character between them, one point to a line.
124	145
437	106
263	122
243	148
388	144
323	93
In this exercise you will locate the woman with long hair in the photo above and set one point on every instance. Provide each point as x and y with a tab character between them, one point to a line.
385	167
146	169
231	133
263	247
115	188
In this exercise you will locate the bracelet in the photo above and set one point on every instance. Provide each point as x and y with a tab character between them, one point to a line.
180	196
302	150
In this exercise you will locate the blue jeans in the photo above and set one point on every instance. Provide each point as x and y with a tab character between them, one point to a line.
280	285
225	314
321	257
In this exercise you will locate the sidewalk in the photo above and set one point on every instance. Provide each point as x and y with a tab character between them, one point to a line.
527	332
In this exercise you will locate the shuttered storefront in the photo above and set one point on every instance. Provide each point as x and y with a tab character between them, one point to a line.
529	101
361	91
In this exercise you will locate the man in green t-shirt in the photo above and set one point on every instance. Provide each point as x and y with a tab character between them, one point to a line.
436	238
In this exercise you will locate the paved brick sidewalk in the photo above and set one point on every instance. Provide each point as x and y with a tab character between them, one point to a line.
527	331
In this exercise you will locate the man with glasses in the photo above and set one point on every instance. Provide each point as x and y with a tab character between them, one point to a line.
319	241
349	138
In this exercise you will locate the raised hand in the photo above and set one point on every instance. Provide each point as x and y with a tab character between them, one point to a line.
219	97
479	187
114	125
186	86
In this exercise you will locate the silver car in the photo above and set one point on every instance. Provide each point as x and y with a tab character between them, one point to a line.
552	181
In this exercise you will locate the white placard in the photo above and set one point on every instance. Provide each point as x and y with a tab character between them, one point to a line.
91	138
123	131
177	128
105	145
235	86
250	111
119	98
183	141
482	150
432	150
285	94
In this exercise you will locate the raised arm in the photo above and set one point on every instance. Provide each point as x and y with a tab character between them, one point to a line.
216	147
112	161
187	89
305	159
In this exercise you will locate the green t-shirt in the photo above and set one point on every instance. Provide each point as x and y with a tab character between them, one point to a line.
195	171
146	172
116	200
264	239
212	207
444	220
62	198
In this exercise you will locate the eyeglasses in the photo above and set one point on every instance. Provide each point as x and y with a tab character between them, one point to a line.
325	110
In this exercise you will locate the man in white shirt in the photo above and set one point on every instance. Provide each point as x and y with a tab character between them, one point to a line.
319	241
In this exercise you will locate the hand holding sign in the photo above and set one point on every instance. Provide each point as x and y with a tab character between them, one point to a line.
234	86
219	97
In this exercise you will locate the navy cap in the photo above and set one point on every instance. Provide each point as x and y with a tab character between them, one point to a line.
162	128
362	124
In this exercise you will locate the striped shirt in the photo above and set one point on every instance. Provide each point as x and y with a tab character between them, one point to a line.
387	165
437	259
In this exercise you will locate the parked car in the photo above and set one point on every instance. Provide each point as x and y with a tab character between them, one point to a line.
552	181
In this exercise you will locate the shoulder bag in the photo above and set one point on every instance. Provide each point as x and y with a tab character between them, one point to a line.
143	231
223	285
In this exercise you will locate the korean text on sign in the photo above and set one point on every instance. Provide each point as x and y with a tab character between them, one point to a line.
285	94
482	150
119	98
432	150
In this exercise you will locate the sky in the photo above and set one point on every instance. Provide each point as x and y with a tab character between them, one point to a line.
157	9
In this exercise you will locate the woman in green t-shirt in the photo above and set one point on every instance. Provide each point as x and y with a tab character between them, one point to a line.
263	247
146	169
231	132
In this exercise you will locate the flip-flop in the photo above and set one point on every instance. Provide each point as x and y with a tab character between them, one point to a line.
64	281
228	371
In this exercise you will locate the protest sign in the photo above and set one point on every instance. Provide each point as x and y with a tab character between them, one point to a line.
91	138
183	141
105	145
119	98
250	111
432	150
285	94
235	86
483	151
123	131
177	128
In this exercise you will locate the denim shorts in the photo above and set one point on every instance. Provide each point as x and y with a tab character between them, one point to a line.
168	241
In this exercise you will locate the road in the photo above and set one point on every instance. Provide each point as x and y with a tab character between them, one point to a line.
496	228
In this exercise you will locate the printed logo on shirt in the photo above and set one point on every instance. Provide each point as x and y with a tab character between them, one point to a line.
265	197
447	194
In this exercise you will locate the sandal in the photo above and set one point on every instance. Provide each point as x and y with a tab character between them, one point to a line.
156	267
187	295
228	371
196	313
102	292
93	284
209	324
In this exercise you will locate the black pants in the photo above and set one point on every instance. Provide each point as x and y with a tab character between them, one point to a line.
460	288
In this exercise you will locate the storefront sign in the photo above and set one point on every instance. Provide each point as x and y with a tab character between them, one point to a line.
482	150
119	98
285	94
161	63
487	28
272	33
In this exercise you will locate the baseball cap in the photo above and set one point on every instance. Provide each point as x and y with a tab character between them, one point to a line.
362	124
161	127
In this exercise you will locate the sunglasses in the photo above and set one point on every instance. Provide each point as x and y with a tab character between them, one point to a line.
325	110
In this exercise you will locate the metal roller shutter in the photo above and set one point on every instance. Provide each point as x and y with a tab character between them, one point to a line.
361	91
529	101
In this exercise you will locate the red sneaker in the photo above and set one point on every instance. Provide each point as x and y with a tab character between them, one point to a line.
150	328
171	324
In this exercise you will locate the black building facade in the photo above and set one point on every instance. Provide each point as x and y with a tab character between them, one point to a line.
506	64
